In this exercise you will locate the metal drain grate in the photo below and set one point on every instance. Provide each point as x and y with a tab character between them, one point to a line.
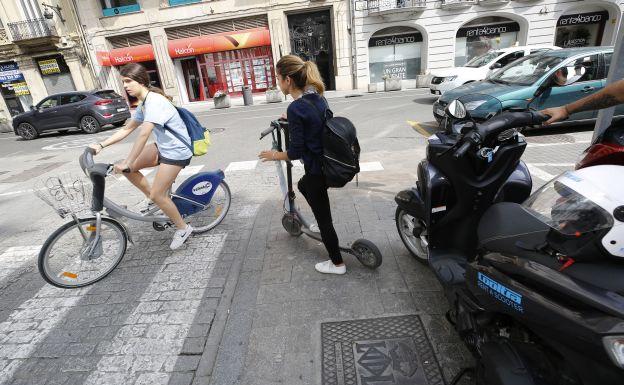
379	351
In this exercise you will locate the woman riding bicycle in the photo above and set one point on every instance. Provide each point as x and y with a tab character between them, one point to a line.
154	112
303	82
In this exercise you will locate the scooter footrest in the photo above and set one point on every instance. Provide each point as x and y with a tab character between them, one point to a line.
450	268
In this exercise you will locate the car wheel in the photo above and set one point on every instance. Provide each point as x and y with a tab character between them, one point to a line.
89	124
27	131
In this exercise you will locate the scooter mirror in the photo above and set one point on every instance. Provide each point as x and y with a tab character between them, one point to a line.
457	110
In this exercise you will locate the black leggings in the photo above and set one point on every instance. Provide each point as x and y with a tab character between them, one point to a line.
314	190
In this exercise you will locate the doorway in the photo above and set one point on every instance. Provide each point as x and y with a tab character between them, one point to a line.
311	39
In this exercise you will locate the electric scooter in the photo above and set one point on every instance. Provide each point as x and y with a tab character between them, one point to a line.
293	221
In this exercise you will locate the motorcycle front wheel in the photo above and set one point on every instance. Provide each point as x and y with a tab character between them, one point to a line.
413	233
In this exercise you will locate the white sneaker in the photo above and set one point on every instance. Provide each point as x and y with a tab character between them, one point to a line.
180	236
328	267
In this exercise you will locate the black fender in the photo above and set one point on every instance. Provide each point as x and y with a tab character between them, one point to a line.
411	201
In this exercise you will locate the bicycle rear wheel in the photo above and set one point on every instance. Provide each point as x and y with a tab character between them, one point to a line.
213	214
70	260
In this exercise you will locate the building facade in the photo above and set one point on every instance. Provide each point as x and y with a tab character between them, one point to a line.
408	38
194	48
41	53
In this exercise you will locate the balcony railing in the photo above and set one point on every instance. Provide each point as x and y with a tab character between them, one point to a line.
391	6
31	29
4	38
458	3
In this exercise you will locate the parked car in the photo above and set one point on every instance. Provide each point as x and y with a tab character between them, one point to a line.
480	67
88	111
530	83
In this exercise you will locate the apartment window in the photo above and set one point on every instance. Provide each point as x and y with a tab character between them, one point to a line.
118	7
173	3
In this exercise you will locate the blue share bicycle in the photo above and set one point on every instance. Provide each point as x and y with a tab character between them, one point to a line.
88	248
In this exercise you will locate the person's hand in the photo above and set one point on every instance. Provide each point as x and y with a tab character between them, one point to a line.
120	167
268	155
96	147
556	114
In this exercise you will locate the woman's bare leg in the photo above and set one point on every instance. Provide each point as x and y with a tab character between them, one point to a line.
146	159
160	193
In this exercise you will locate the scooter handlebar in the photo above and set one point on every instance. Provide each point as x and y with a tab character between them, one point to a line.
267	132
461	151
508	120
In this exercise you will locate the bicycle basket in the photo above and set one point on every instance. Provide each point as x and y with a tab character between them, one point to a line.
67	194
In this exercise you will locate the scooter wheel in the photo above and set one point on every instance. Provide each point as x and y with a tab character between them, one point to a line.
292	224
367	253
159	226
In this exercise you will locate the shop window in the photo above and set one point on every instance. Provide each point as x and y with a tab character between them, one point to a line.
581	29
607	58
118	7
173	3
483	35
395	52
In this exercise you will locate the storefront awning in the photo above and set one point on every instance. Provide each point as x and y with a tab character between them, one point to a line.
121	56
249	38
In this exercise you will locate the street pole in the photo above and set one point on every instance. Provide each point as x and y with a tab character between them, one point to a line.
616	72
353	45
85	44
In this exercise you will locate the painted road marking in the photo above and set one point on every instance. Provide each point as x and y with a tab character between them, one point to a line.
539	173
371	166
557	143
418	128
242	166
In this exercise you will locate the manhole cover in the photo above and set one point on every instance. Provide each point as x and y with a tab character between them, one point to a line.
217	130
379	351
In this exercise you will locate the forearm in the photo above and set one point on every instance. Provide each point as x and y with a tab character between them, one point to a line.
280	155
116	137
608	97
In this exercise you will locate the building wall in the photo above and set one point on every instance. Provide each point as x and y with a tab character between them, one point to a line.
156	16
67	43
439	26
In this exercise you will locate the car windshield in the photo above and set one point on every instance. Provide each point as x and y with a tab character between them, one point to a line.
482	60
527	71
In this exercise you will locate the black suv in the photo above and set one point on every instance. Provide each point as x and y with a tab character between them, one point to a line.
89	111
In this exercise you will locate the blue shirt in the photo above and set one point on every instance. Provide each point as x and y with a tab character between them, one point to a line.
158	110
305	126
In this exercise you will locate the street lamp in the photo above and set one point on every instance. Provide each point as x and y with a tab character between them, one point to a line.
47	13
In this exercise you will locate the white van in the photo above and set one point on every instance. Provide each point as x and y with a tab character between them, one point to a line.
479	67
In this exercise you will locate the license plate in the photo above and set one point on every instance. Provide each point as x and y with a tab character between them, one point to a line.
121	109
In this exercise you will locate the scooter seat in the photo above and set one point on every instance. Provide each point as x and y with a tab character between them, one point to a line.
507	228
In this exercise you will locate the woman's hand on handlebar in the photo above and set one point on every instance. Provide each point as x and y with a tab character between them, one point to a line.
269	155
122	168
556	114
96	147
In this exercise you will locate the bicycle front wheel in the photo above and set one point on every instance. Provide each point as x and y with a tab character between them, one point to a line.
72	257
213	214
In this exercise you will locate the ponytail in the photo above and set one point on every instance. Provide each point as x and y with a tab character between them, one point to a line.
303	73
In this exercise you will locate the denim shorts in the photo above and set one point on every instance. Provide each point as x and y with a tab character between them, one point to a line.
182	163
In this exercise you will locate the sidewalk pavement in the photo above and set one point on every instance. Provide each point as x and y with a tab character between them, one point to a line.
260	99
288	324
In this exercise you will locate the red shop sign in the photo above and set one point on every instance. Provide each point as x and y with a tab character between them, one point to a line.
121	56
249	38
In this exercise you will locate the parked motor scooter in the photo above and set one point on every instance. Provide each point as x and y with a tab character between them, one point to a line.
467	169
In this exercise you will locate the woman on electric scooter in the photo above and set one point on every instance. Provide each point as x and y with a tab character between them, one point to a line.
302	80
154	112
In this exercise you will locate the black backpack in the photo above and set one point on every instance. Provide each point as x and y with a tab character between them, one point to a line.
341	150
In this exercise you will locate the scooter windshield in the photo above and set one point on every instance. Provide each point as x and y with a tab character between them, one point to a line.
480	106
568	211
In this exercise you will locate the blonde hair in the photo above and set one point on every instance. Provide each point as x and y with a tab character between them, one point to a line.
303	73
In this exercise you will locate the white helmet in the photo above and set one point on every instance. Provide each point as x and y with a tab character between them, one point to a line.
589	200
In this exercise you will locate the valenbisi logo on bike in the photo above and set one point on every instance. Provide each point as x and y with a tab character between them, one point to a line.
500	292
202	188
